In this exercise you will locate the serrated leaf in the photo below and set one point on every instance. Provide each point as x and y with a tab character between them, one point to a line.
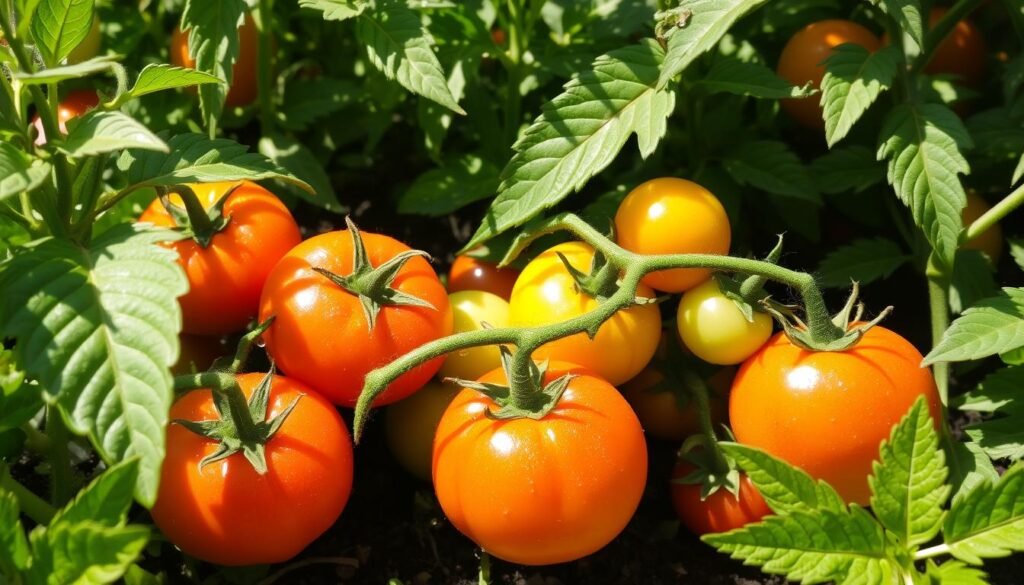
863	261
336	9
990	327
997	392
955	573
76	71
98	328
99	132
854	78
968	467
973	280
731	75
1000	438
59	26
785	488
154	78
306	101
13	546
908	14
296	159
708	22
399	46
105	501
213	43
1017	251
579	133
908	482
84	554
989	521
922	144
18	173
847	168
997	134
457	184
771	166
194	158
813	547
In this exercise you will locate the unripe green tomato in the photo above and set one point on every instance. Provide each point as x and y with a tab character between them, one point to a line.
90	46
411	422
471	309
715	330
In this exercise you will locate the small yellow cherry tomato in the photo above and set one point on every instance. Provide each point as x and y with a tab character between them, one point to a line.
471	309
715	330
410	425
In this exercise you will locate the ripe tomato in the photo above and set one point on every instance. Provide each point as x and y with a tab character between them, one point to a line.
244	89
715	330
990	242
198	352
90	47
469	273
226	277
827	412
410	425
660	411
537	492
546	293
470	309
721	511
802	60
226	512
962	53
673	216
74	104
321	336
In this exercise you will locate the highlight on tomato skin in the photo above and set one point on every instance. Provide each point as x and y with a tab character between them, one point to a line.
469	273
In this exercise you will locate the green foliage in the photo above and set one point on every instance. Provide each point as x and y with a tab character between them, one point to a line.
994	325
731	75
59	26
19	173
862	261
212	29
854	78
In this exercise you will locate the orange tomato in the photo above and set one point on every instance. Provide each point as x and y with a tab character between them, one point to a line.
962	53
721	511
537	492
659	409
469	273
73	105
244	88
990	241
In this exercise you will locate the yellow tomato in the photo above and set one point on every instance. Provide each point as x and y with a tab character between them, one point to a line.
715	330
471	309
410	425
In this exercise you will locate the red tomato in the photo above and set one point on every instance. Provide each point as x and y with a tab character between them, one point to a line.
962	53
721	511
321	336
226	512
226	277
827	412
244	88
75	104
468	273
537	492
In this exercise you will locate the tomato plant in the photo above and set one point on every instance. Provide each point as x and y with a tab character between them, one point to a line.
471	310
469	273
990	241
73	105
244	88
719	512
410	425
664	403
90	47
962	53
715	329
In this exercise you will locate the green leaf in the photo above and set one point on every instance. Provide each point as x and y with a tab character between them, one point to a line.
400	47
989	521
19	402
194	158
99	132
997	392
847	168
854	78
785	488
1018	172
863	261
19	173
731	75
813	547
955	573
336	9
1000	438
84	554
79	70
306	101
13	546
105	501
922	144
1017	251
907	14
908	482
58	26
992	326
456	184
579	133
136	575
212	29
973	280
297	160
98	327
154	78
968	467
771	166
708	22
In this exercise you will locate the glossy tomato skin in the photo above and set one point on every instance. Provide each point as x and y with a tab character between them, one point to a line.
827	412
73	105
659	411
470	310
802	57
673	216
410	424
320	335
226	277
230	515
244	88
538	492
546	293
715	330
468	273
989	241
962	53
721	511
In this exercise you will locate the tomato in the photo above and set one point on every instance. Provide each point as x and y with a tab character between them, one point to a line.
827	412
546	293
990	242
198	352
321	335
469	273
74	104
673	216
721	511
962	53
471	309
802	60
660	409
226	277
715	330
90	46
226	512
537	492
244	88
410	425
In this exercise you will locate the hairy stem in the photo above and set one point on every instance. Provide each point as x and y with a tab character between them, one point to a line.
31	505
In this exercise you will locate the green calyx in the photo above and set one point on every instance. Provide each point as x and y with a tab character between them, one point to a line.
600	282
193	220
798	332
242	426
373	285
748	293
525	396
711	472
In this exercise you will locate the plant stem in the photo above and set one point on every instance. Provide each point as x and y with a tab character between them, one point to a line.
212	380
992	216
940	31
61	474
265	57
35	440
699	392
485	569
514	66
938	300
931	552
31	505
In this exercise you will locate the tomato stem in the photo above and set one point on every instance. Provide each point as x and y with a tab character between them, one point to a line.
699	392
994	215
31	505
941	30
265	58
61	474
